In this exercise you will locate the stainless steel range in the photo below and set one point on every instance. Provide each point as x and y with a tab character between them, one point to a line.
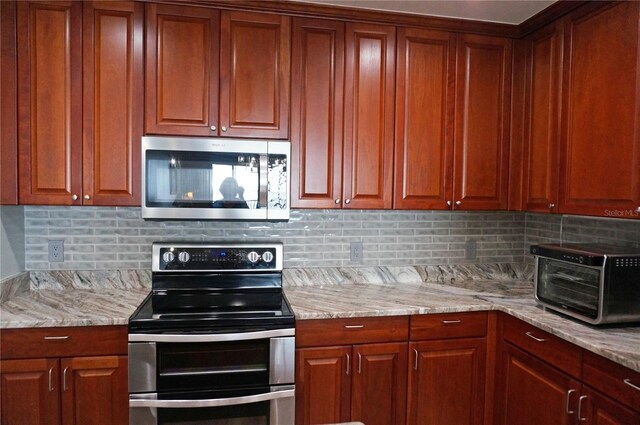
214	341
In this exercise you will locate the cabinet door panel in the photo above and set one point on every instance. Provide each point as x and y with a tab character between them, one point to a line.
8	106
542	134
601	112
94	391
317	78
424	119
254	74
49	102
481	167
181	70
368	149
323	385
29	392
446	382
379	392
113	92
534	393
602	410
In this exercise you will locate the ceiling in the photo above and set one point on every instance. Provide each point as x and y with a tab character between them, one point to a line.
503	11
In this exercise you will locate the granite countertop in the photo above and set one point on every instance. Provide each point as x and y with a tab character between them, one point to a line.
345	292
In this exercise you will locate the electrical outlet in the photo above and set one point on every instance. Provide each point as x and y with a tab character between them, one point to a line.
357	252
56	251
471	250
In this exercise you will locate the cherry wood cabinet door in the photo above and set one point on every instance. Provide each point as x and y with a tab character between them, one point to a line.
254	75
424	119
29	392
50	102
447	382
113	102
8	106
602	410
317	79
182	67
534	393
323	385
542	128
94	391
483	87
600	154
369	116
379	391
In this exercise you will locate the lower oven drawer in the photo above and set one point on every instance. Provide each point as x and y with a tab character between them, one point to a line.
259	406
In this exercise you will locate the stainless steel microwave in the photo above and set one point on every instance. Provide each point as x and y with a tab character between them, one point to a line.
598	284
215	178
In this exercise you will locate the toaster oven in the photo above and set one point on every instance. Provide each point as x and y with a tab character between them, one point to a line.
598	284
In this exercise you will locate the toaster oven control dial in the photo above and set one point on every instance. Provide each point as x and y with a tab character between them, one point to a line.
267	257
168	257
183	256
253	257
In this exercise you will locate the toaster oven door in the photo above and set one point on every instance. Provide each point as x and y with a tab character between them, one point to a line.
573	288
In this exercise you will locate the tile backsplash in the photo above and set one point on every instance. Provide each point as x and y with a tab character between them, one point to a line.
117	238
106	238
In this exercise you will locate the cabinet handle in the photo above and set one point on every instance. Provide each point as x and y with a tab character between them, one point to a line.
359	364
347	201
74	197
628	382
224	128
415	361
51	380
580	400
569	412
86	197
348	364
64	378
551	206
458	203
530	335
451	322
353	326
337	201
56	338
213	128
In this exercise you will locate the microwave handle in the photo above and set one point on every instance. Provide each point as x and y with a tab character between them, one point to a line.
264	181
214	402
211	337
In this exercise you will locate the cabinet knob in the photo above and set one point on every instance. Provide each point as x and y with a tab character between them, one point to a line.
638	210
551	206
87	197
213	128
347	201
449	203
458	202
337	201
223	128
74	197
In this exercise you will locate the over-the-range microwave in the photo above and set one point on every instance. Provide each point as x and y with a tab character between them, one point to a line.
598	284
215	178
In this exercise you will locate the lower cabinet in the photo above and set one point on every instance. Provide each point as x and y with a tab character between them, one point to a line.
363	382
60	387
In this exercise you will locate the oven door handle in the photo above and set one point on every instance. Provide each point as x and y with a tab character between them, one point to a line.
214	402
211	337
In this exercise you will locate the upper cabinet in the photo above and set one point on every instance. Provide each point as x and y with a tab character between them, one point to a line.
79	102
481	147
600	155
8	106
210	73
342	114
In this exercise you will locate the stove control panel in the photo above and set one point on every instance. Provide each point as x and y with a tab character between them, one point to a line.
172	257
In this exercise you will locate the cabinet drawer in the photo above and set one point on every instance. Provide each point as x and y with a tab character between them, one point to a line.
553	350
449	325
356	330
63	342
617	381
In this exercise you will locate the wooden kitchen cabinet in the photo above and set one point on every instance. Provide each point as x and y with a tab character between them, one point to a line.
79	102
447	369
481	146
425	88
214	73
351	369
64	376
8	106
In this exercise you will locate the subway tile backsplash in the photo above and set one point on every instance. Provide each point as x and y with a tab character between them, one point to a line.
106	238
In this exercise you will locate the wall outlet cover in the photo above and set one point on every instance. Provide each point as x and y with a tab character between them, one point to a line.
357	252
56	251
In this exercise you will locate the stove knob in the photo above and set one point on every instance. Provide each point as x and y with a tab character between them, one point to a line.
168	257
267	257
253	257
183	257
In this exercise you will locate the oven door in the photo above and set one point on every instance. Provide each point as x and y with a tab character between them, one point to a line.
257	406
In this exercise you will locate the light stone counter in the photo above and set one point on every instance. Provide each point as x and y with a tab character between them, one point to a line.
105	298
